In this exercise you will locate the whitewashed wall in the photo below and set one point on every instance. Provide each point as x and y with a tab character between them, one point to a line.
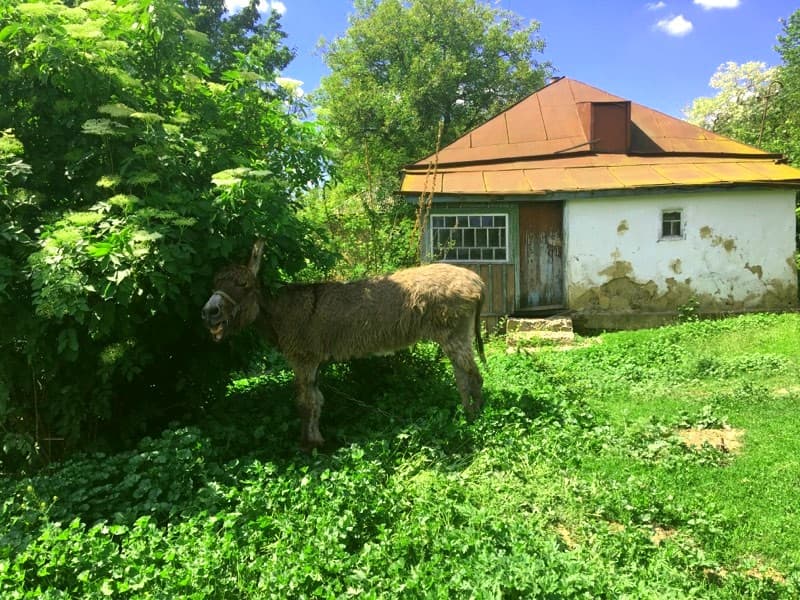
736	252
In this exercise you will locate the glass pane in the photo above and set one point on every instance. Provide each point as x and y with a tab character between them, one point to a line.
475	254
500	254
500	221
469	238
481	238
474	221
437	221
487	221
494	238
450	221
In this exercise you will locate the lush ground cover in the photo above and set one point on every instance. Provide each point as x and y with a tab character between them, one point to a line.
575	482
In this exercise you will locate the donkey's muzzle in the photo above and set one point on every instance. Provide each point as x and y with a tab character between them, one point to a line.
213	317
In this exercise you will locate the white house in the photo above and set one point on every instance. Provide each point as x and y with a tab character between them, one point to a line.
576	200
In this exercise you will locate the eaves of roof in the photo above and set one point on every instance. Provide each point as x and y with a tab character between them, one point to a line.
600	172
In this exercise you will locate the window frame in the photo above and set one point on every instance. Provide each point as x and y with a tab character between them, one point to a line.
436	253
681	235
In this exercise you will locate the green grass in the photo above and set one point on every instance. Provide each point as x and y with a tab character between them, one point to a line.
573	483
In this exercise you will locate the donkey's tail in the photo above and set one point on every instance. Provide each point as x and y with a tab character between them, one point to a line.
478	336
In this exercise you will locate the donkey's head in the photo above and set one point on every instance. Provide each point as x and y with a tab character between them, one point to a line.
234	302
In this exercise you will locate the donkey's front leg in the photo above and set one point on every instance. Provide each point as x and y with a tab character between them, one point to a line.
309	405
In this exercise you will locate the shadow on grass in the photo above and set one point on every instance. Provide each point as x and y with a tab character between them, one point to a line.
377	412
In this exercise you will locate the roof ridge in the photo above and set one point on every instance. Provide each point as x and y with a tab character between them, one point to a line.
554	115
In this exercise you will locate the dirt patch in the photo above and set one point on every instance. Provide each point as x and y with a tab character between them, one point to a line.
756	270
762	572
759	571
660	534
615	527
787	391
566	536
717	240
725	439
620	268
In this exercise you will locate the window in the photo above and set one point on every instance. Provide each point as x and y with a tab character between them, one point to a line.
672	224
469	238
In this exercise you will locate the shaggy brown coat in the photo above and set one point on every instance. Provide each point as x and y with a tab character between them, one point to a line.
335	321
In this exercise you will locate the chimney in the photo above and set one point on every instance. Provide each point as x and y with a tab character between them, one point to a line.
607	125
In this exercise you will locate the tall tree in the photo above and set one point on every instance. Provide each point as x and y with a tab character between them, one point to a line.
737	109
233	38
403	66
401	69
785	123
757	104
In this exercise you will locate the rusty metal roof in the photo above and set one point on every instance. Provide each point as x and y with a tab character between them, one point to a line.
542	145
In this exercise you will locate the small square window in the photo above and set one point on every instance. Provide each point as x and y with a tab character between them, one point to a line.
672	224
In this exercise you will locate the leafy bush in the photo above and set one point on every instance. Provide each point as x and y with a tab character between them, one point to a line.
142	144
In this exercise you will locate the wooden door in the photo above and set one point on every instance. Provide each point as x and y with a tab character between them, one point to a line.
541	255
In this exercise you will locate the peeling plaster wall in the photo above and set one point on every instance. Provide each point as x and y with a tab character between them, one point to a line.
735	253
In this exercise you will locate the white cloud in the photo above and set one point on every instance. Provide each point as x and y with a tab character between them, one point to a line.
278	6
675	26
712	4
656	5
264	6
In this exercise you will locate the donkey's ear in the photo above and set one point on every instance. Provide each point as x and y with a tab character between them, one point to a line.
255	257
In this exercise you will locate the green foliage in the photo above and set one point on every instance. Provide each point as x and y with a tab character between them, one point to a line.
115	118
402	67
368	235
756	104
736	110
551	493
400	72
783	123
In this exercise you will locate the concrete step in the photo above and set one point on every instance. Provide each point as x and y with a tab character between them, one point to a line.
543	331
556	323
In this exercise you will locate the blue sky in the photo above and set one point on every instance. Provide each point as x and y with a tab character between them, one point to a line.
657	53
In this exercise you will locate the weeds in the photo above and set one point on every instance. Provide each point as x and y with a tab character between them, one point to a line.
574	482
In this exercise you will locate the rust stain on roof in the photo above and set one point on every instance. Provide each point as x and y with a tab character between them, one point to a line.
541	145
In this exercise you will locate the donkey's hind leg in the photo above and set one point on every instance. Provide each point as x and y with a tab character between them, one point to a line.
468	379
309	405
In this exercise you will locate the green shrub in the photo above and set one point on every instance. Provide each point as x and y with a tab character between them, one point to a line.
142	145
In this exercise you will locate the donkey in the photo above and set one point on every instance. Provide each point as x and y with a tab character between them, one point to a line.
334	321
